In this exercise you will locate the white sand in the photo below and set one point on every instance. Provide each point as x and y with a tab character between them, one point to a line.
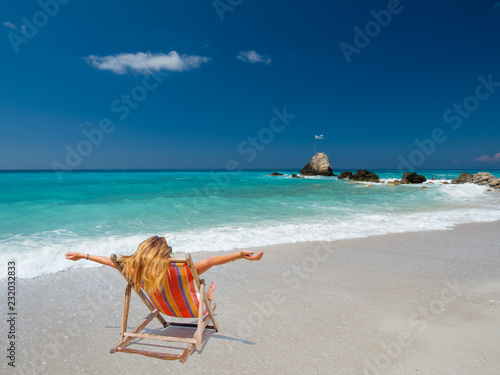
411	303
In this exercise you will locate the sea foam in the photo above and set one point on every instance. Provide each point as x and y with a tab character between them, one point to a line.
104	213
42	257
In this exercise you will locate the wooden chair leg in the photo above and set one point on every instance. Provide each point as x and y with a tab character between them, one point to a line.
185	355
202	295
126	307
199	331
211	313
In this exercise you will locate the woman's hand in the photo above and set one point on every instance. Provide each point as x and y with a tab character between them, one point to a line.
74	256
249	255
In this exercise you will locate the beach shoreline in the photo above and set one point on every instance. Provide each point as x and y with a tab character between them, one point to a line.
195	213
385	304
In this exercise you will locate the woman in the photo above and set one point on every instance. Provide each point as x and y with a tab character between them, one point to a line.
149	265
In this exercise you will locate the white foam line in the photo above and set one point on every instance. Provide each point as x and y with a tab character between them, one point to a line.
39	257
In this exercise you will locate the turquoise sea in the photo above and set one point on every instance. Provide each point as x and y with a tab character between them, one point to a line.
104	212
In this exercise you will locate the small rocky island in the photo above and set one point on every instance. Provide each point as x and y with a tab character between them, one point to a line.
409	178
318	166
360	175
480	178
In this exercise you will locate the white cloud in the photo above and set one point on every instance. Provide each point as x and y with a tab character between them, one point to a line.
483	158
253	57
145	63
487	158
9	24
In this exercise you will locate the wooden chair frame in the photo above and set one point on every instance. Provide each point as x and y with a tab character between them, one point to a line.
194	342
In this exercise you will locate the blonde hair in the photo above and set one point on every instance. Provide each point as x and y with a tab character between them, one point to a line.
149	265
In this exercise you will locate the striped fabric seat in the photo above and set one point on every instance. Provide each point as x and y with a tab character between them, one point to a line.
178	297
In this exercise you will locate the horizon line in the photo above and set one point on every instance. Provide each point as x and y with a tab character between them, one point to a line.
225	169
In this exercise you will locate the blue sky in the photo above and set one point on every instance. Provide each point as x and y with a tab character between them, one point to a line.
197	84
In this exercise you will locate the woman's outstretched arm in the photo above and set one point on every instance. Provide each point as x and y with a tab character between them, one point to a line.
206	264
94	258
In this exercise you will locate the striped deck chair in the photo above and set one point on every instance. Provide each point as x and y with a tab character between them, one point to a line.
178	298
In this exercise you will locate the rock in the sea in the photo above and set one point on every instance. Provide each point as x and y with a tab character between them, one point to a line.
345	174
482	178
318	166
295	176
394	183
364	175
464	178
412	178
423	187
433	178
276	174
494	183
445	183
